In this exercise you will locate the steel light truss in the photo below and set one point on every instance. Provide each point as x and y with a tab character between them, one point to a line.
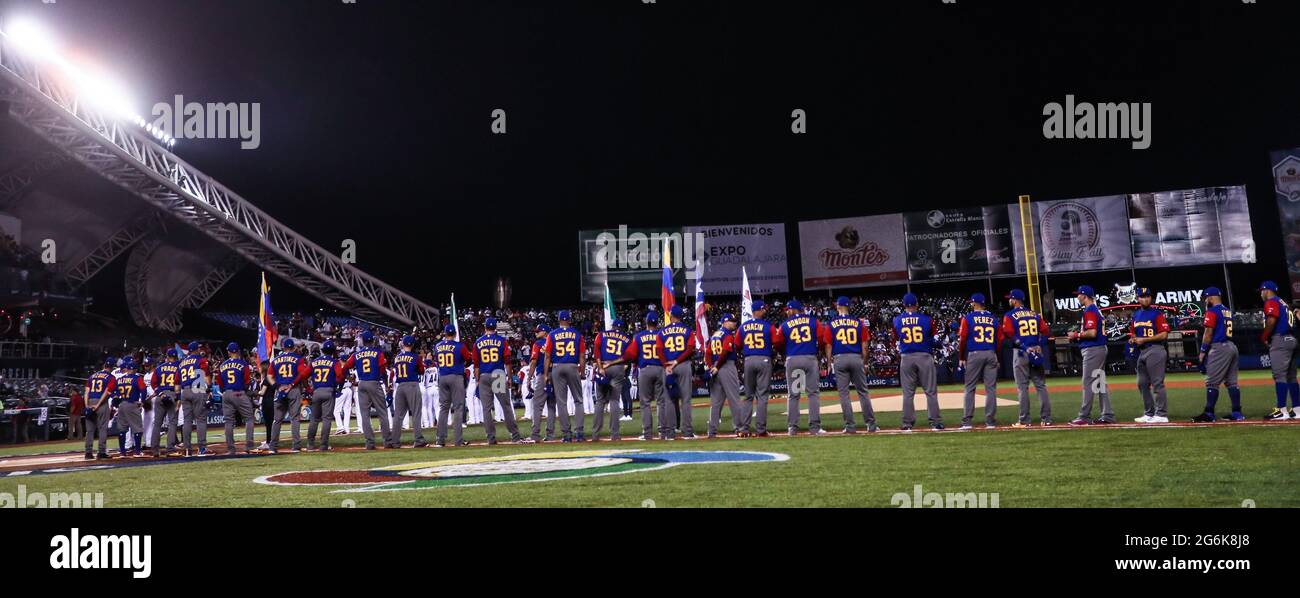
132	160
116	244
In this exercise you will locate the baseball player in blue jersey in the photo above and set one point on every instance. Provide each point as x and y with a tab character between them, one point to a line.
800	336
647	349
609	349
326	379
724	383
492	355
566	357
235	378
978	340
166	382
1148	333
1279	336
371	369
757	337
195	376
101	392
679	347
1219	358
407	369
130	392
847	353
914	333
289	372
451	357
1028	332
1092	349
543	397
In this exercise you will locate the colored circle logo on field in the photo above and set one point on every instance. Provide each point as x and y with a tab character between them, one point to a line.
510	469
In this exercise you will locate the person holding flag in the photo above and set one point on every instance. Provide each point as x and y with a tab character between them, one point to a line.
724	383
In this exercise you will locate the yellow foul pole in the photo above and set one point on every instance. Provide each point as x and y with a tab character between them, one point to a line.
1031	255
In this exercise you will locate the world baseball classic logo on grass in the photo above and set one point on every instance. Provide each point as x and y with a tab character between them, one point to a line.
510	469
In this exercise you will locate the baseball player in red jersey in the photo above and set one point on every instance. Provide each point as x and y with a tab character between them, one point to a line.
724	383
289	371
196	375
1028	332
978	340
847	353
101	387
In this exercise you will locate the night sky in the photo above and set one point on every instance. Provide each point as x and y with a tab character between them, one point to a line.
375	115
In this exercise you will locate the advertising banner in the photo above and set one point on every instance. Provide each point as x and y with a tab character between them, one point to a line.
958	243
1190	227
759	248
1077	234
1286	184
853	252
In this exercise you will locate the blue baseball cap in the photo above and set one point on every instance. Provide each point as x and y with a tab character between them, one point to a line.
618	323
110	361
564	315
677	312
728	318
232	348
194	346
408	340
367	335
652	317
542	328
1086	291
128	363
1213	292
1144	292
794	304
327	345
490	323
842	301
172	353
288	343
449	329
1268	285
757	304
148	359
977	298
1016	294
909	299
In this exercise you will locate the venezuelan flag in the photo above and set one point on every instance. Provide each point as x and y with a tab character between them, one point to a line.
266	334
666	291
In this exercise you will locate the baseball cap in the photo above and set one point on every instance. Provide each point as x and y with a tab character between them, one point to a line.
232	348
842	301
1213	292
542	328
110	361
148	359
194	346
977	298
490	323
564	315
367	336
408	340
1144	292
288	343
909	299
128	363
1268	285
677	311
449	329
728	318
618	323
794	304
327	345
172	353
652	317
1016	294
757	304
1086	291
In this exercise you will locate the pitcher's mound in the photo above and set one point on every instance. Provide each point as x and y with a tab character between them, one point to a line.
830	402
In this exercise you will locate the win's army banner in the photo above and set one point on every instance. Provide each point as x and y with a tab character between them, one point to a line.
1189	227
1286	184
958	243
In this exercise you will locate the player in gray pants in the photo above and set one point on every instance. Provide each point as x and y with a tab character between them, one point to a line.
1151	383
684	379
493	384
407	401
451	402
758	389
543	399
194	405
608	396
370	394
653	393
232	402
981	366
322	413
568	383
724	382
1092	349
1025	372
290	404
164	411
917	370
1279	334
850	369
801	370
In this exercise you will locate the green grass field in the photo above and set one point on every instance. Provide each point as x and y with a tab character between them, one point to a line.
1218	466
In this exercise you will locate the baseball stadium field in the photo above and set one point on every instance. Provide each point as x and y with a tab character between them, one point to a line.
1125	465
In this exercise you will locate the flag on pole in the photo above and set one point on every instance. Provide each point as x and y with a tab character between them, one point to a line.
455	322
609	308
266	334
701	318
746	299
666	291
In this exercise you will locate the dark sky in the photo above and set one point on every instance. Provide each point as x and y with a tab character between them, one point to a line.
375	115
